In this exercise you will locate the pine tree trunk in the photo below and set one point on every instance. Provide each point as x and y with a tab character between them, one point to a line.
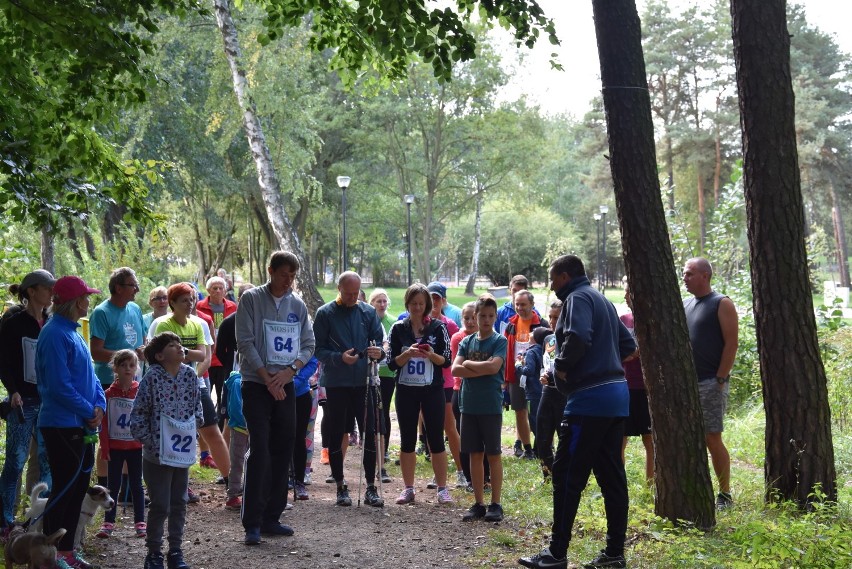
477	241
799	452
267	177
683	486
839	234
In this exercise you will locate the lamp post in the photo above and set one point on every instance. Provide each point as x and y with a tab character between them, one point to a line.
597	218
409	199
604	209
343	184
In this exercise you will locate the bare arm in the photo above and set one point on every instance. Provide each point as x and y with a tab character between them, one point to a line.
489	367
99	353
729	322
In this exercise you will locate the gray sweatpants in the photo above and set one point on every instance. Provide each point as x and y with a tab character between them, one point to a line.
167	489
238	448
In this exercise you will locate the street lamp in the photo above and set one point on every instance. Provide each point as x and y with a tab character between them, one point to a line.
597	218
604	209
409	199
343	183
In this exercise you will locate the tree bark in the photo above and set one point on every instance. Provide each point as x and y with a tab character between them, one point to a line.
799	452
839	234
683	486
270	186
48	247
477	241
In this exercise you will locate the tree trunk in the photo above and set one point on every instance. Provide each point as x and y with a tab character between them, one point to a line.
477	239
48	248
267	177
73	242
839	234
799	452
702	212
683	486
717	140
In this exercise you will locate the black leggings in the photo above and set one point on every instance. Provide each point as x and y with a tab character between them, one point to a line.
410	402
551	409
71	462
388	387
133	458
300	449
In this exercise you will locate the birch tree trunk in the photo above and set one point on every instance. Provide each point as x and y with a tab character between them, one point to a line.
48	248
267	178
477	239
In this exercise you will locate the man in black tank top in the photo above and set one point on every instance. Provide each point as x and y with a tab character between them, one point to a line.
713	328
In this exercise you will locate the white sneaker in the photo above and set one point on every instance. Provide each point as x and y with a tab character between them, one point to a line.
444	497
432	485
461	480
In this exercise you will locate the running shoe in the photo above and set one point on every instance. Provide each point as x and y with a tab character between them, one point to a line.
75	561
141	529
252	537
193	498
519	449
432	484
386	477
494	513
444	497
353	439
724	501
222	480
475	512
528	455
343	498
154	560
174	560
461	480
544	560
301	491
603	560
207	462
372	498
106	530
235	503
406	496
324	456
308	480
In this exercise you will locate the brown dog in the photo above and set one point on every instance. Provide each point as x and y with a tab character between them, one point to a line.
35	550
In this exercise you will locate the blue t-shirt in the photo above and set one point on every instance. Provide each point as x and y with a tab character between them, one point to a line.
119	328
483	395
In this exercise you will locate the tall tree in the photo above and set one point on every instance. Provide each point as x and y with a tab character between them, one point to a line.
799	462
683	487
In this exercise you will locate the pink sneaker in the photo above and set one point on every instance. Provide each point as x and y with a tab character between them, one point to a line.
141	529
106	530
207	462
406	497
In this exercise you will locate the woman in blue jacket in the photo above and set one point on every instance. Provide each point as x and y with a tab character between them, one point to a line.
72	407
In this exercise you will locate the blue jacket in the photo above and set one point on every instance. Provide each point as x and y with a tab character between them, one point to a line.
532	369
339	328
67	383
236	419
591	341
302	381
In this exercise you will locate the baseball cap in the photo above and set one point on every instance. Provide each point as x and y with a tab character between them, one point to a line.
437	288
67	289
37	277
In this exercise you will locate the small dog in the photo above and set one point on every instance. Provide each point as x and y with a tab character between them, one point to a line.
96	497
35	550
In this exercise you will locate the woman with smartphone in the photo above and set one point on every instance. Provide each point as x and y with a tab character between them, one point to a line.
420	349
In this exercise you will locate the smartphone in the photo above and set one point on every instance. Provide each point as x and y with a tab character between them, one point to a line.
423	347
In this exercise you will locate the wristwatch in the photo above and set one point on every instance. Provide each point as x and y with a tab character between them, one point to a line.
723	380
294	368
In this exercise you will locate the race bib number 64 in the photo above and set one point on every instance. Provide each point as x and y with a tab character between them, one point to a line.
282	342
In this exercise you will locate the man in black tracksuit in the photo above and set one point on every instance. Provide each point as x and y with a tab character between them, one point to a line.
591	344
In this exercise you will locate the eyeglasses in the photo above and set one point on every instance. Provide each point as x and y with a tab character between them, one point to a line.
160	298
132	285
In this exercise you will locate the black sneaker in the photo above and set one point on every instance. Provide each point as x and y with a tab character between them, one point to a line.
372	498
603	560
544	560
519	449
724	500
175	559
476	512
154	560
494	513
528	455
343	498
386	477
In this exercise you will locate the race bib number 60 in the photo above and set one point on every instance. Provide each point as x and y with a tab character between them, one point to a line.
416	372
282	342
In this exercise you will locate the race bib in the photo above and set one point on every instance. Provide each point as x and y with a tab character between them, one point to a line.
177	442
118	418
282	342
416	372
28	348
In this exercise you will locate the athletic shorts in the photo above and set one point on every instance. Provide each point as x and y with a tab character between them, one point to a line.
208	408
714	402
517	396
638	423
448	394
481	433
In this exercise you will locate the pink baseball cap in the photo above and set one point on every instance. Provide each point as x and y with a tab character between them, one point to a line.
67	289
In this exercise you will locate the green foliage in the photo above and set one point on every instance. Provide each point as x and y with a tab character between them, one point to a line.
836	346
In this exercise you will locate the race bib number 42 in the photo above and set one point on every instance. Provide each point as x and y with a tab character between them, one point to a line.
282	342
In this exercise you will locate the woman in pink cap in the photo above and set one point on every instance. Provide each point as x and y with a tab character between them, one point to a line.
72	406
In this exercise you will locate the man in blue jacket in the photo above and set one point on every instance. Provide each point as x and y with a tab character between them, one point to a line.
348	333
591	343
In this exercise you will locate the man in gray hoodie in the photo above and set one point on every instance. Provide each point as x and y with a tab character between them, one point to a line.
274	340
348	333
